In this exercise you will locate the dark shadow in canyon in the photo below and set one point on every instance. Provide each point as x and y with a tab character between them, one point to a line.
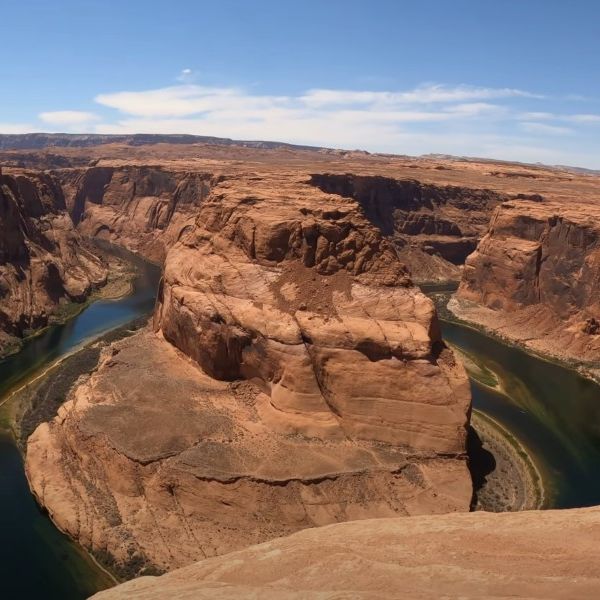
481	462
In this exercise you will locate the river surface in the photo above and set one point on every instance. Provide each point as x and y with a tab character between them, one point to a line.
36	560
551	410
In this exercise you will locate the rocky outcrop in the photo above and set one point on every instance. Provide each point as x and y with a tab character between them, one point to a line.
534	555
43	264
435	227
294	378
535	277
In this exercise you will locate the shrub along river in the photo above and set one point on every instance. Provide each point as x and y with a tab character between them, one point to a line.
551	410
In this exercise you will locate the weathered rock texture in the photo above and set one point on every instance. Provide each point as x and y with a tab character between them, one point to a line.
295	378
535	277
533	555
42	262
434	227
143	208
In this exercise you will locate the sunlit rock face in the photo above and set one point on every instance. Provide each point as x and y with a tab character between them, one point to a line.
42	261
512	555
143	208
535	277
293	376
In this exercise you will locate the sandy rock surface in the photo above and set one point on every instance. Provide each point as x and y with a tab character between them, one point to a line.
530	555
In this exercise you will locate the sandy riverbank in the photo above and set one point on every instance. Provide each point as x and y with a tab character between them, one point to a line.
502	468
517	335
514	483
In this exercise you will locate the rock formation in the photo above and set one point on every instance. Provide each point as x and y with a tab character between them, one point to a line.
535	277
143	208
43	264
294	378
435	227
534	555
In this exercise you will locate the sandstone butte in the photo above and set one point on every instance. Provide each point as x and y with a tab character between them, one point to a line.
293	376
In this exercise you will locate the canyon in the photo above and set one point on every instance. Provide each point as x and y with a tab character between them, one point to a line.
534	278
43	264
293	375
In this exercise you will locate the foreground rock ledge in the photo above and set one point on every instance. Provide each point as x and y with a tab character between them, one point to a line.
545	555
294	378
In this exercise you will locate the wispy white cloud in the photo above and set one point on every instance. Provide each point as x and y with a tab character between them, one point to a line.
186	76
426	94
67	117
466	120
544	128
572	118
583	118
185	100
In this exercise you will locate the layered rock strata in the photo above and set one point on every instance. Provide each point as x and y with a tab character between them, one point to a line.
43	264
143	208
294	378
434	227
535	278
529	555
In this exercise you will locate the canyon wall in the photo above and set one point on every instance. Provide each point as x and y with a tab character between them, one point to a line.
293	377
544	555
43	264
143	208
535	278
434	227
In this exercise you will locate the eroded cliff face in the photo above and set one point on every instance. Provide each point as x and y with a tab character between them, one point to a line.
42	261
294	377
434	227
535	277
143	208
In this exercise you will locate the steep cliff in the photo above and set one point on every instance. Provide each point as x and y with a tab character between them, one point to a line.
143	208
43	264
531	555
535	277
434	227
294	378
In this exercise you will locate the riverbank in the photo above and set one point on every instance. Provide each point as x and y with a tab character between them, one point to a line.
38	399
33	385
509	481
505	475
480	319
119	283
514	482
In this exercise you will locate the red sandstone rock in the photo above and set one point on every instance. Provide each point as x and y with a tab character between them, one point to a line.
296	378
535	276
540	555
42	262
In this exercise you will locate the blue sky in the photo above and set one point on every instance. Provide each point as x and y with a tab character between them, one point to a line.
513	79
